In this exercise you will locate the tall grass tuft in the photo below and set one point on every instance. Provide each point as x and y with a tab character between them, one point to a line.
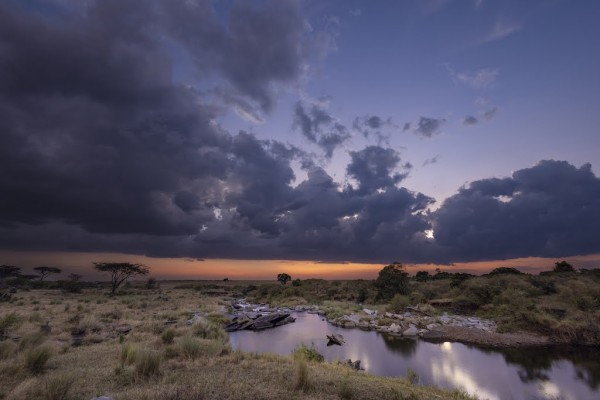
302	379
147	363
129	353
412	376
191	347
57	387
168	336
36	359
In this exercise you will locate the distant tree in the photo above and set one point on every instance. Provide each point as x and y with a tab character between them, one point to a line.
284	278
120	272
74	277
45	271
296	282
505	270
563	266
9	271
392	279
459	278
422	276
441	275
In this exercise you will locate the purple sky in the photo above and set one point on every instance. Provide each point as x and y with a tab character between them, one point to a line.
419	131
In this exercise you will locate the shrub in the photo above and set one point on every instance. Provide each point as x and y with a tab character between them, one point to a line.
307	353
147	363
57	387
36	359
168	336
209	330
397	303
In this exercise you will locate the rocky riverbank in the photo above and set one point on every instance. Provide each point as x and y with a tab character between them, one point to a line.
412	323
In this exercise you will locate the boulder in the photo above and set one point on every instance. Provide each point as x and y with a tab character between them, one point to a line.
335	339
411	331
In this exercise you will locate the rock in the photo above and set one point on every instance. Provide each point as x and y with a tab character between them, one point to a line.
123	329
411	331
354	364
372	313
395	328
432	326
197	318
335	339
260	323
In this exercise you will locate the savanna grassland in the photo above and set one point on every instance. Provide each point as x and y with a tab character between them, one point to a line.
161	356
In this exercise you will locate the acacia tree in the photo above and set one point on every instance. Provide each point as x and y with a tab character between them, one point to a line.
392	279
9	271
284	278
45	271
120	272
563	266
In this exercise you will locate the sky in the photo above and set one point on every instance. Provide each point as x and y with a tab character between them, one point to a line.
239	138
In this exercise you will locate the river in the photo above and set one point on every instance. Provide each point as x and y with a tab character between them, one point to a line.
570	373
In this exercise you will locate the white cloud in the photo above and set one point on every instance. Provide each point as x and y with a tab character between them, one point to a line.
501	30
479	79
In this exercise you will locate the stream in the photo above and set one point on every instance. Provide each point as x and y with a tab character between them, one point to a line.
570	373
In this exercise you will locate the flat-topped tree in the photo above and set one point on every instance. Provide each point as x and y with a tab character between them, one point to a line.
120	272
9	271
45	271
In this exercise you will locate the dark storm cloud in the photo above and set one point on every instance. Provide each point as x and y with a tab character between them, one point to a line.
320	127
548	210
428	127
374	168
470	120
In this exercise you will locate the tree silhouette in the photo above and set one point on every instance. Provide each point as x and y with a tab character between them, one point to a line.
120	272
392	279
45	271
563	266
9	271
284	278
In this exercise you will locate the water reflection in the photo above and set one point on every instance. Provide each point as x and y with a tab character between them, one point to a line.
404	346
539	373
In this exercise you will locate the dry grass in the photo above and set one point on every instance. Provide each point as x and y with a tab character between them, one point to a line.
198	364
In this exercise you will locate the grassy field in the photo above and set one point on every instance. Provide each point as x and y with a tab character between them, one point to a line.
157	360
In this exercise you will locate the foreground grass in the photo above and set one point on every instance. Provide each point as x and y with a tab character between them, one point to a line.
159	361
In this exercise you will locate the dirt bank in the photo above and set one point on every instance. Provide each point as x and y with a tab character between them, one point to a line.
485	338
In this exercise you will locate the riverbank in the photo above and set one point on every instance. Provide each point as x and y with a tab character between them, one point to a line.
159	344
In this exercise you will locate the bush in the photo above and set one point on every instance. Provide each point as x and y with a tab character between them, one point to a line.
147	363
168	336
209	330
308	353
7	322
36	359
398	303
392	279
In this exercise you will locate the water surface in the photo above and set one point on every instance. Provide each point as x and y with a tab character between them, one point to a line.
531	373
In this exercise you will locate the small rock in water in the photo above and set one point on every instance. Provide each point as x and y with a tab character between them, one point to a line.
411	331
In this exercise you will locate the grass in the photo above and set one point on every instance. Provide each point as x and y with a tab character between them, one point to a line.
307	353
192	362
36	359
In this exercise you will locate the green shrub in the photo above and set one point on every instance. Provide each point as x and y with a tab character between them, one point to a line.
36	359
398	303
147	363
209	330
307	353
168	336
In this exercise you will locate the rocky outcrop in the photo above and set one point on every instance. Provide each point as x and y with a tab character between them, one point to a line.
259	322
335	339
